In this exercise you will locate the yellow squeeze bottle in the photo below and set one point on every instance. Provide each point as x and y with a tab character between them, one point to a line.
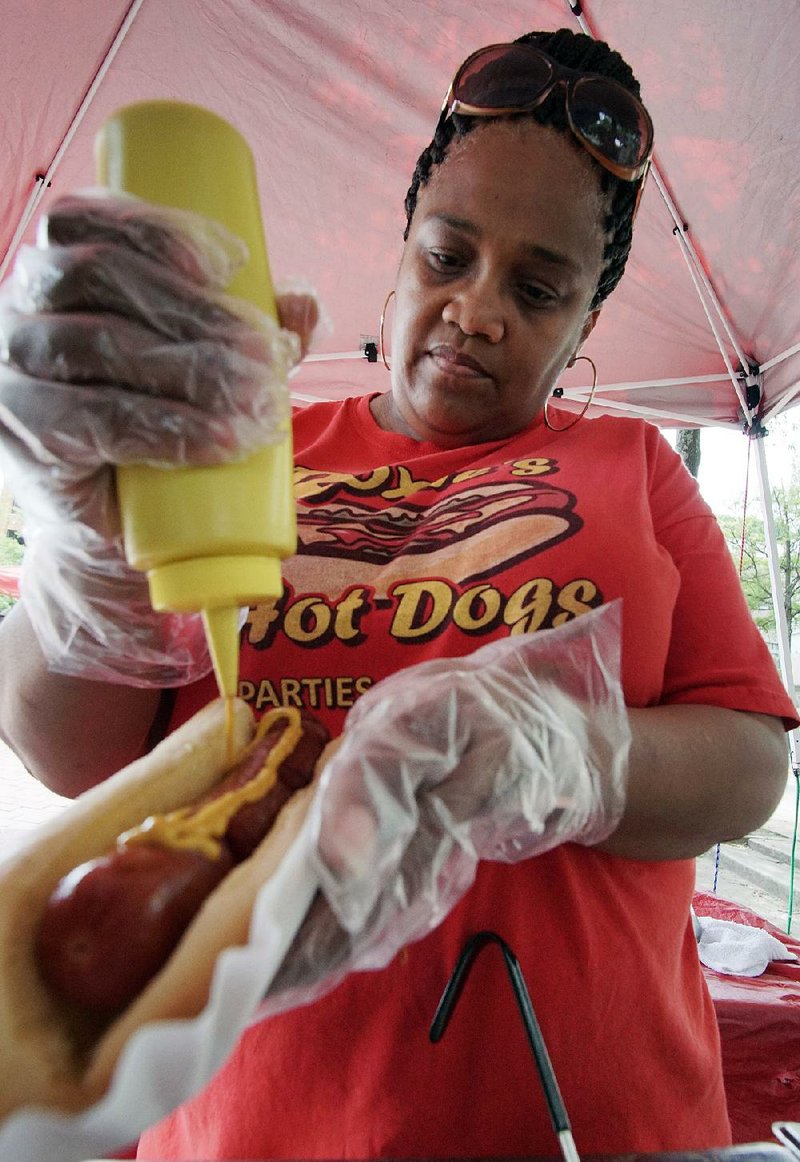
209	539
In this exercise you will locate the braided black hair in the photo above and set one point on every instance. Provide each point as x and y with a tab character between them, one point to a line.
576	51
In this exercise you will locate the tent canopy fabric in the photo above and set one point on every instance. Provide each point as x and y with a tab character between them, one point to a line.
337	101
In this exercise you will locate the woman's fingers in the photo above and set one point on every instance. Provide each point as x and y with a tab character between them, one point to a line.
299	312
101	349
113	280
198	248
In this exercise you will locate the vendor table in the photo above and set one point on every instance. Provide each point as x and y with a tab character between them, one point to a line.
754	1152
759	1024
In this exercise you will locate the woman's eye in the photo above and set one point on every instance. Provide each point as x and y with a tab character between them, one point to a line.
444	260
534	293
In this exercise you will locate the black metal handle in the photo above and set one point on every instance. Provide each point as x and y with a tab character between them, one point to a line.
544	1066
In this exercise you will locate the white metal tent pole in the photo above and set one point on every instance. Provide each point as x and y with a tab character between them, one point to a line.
43	180
700	281
795	350
784	648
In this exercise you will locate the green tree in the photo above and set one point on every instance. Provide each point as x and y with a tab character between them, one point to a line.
687	445
751	550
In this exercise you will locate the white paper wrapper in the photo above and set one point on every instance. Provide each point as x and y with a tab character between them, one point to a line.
165	1063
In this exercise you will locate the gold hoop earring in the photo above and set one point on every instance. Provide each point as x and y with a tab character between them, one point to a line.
559	391
381	348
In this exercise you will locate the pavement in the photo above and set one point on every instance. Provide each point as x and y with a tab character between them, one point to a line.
757	871
754	872
24	802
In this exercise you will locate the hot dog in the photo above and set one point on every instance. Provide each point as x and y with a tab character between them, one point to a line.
59	1045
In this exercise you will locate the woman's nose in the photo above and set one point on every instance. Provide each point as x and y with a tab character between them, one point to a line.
477	310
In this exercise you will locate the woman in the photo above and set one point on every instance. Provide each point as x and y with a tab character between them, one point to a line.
456	509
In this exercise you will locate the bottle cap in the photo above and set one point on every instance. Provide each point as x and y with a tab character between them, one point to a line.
219	587
214	582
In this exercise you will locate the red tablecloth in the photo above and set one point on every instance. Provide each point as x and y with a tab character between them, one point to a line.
759	1022
9	580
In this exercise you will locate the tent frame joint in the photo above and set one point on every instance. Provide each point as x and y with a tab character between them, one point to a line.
753	381
755	430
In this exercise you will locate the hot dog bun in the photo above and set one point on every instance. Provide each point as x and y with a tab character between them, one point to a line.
50	1055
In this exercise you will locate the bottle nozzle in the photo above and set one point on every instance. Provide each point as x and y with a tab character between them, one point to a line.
218	586
222	634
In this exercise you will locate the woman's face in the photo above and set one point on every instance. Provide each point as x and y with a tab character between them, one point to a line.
502	261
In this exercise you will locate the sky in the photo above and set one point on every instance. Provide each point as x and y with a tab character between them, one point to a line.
723	462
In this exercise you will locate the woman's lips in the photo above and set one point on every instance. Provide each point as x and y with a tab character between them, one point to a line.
457	363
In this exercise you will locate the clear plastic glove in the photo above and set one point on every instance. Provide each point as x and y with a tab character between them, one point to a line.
118	346
501	755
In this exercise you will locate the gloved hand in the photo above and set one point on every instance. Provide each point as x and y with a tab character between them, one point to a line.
500	755
118	346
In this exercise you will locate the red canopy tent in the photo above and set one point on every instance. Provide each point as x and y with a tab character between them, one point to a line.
338	99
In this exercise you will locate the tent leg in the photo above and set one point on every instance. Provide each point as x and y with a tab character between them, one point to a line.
44	180
784	648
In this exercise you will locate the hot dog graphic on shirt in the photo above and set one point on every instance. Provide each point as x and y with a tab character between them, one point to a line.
387	560
465	528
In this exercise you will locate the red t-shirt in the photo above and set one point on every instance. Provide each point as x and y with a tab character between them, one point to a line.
408	551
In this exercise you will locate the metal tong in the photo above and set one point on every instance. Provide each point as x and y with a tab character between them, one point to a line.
449	999
788	1133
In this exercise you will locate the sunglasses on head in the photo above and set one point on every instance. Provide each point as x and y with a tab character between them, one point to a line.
609	122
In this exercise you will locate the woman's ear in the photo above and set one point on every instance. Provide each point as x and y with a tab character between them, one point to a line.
588	326
586	331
